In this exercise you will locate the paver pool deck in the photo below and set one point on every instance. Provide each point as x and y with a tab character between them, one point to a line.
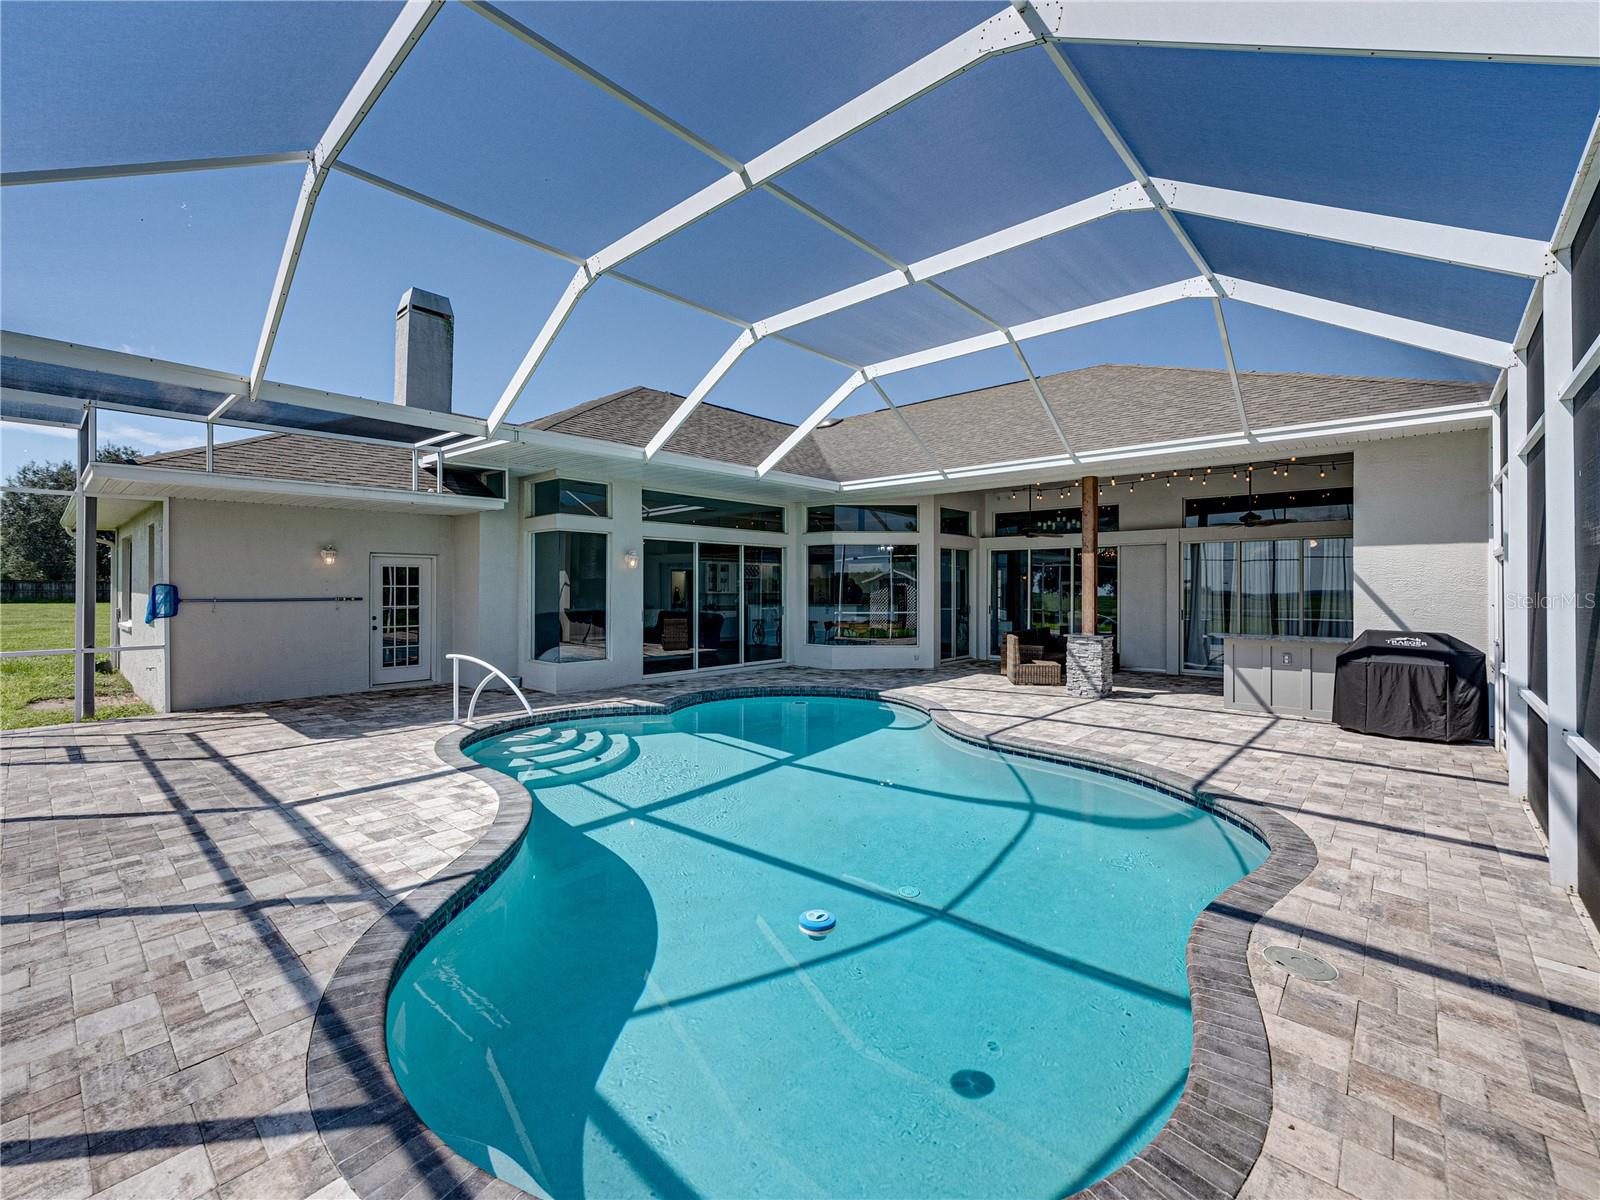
178	890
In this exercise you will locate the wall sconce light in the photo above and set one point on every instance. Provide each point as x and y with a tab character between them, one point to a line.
630	559
329	556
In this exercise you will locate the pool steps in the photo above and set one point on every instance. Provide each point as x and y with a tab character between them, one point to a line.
570	756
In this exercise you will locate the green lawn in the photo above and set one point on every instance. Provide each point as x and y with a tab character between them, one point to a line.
25	682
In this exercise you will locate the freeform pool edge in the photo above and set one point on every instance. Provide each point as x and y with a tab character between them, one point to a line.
1205	1151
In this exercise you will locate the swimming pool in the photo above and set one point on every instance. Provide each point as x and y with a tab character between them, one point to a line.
632	1008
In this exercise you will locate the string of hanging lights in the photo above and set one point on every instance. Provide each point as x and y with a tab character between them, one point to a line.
1276	468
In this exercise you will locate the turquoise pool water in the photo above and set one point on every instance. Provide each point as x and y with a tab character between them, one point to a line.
633	1010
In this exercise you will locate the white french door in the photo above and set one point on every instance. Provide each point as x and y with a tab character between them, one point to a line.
401	609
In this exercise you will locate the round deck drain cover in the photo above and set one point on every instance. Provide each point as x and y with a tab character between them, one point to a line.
974	1085
1299	963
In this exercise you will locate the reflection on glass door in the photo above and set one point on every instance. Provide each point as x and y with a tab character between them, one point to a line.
1008	605
709	604
955	605
720	587
1050	600
1208	594
669	605
763	603
1105	591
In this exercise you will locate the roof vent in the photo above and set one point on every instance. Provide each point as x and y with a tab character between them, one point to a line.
424	351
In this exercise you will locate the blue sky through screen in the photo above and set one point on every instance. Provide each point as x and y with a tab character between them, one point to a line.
180	266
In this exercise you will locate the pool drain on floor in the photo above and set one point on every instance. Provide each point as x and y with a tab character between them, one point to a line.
1300	964
974	1085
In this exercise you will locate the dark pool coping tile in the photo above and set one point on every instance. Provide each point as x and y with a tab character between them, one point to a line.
1205	1151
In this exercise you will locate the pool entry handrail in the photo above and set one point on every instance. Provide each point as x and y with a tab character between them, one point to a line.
494	672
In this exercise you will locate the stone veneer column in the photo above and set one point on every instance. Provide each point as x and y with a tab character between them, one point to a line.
1087	671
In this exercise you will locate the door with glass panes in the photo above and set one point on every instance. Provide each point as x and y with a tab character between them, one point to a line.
400	607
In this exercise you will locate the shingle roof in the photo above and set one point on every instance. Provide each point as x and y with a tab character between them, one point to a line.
307	459
632	416
1096	407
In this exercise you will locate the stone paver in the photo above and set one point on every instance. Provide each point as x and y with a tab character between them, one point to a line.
178	890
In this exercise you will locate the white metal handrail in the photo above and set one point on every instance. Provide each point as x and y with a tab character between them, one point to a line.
472	705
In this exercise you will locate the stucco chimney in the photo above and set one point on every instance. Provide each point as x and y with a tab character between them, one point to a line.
424	351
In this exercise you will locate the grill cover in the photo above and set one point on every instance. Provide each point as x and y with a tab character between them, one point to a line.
1428	686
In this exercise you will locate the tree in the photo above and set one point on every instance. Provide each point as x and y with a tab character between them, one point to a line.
33	545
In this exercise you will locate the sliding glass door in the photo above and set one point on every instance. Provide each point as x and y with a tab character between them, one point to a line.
669	606
763	603
1208	595
955	605
1043	589
710	604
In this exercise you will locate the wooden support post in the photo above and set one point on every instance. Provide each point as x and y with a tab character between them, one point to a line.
1090	558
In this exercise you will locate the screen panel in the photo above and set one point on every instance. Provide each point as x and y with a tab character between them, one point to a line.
178	267
1002	143
479	119
754	258
1425	139
902	322
88	84
1482	302
746	76
1586	489
1266	340
1112	257
365	248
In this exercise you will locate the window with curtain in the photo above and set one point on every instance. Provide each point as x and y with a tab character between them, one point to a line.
861	595
1280	587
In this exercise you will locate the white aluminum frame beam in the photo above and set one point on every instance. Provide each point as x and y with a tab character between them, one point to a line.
1158	201
1529	31
1151	298
132	170
403	35
731	355
819	415
1526	257
1127	198
156	370
1437	338
1002	33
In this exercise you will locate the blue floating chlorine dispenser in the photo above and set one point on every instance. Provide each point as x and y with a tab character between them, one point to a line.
817	923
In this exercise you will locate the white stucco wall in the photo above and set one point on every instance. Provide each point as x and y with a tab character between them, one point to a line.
137	561
245	653
1422	535
487	591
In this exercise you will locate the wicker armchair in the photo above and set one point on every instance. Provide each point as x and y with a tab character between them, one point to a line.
1024	666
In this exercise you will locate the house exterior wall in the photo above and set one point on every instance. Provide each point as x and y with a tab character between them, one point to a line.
1420	546
138	559
246	653
487	596
1422	527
